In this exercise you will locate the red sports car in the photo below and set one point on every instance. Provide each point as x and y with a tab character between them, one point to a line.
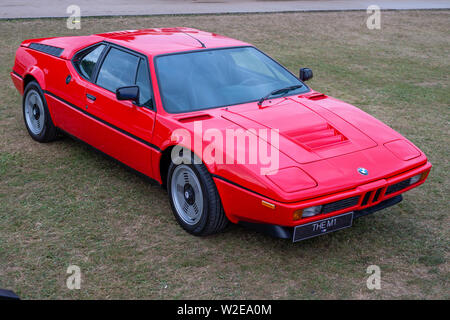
231	134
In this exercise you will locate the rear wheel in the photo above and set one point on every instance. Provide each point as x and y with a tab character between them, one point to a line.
194	199
36	114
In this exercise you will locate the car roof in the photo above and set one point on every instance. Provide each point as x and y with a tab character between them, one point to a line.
150	42
167	40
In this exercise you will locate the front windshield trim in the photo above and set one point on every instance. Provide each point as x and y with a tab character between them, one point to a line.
211	49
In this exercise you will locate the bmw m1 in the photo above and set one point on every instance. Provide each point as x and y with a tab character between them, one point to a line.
291	161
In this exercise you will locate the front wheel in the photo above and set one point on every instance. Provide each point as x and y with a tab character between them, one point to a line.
194	199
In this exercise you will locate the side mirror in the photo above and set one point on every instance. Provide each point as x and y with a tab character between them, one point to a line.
305	74
128	93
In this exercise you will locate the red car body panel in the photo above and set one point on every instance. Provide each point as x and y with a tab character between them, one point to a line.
324	149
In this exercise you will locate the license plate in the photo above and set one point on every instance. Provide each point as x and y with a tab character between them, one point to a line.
317	228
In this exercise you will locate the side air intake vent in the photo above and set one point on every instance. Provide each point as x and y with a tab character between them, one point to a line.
54	51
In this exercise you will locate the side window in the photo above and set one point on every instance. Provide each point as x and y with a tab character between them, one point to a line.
86	64
143	82
118	70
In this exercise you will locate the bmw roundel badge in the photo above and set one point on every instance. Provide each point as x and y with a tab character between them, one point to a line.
363	171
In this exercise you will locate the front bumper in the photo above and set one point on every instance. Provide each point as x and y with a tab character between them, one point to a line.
243	205
288	232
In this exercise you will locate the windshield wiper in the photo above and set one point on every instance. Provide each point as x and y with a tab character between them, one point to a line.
279	91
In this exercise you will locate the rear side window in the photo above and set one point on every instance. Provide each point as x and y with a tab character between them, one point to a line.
118	70
86	65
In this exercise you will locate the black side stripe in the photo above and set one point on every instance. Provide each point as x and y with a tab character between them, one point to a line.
143	141
151	145
242	187
17	74
254	192
148	178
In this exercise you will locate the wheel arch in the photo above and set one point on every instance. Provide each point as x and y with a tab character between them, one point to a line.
27	79
164	163
218	219
37	75
34	74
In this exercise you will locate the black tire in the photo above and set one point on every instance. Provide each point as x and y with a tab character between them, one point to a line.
49	131
213	219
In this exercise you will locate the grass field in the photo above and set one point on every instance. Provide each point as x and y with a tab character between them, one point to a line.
63	204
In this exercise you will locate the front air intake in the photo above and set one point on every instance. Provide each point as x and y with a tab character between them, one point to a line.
398	186
340	205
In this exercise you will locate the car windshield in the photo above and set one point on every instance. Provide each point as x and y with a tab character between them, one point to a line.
220	77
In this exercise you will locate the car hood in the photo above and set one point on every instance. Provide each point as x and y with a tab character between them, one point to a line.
322	141
308	130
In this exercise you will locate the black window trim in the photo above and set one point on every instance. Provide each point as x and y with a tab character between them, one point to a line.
211	49
78	56
101	59
141	60
137	70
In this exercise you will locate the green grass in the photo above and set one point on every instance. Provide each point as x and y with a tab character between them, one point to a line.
62	204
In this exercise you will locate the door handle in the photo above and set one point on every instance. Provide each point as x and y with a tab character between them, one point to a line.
90	97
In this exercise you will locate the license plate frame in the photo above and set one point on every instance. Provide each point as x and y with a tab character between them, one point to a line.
323	226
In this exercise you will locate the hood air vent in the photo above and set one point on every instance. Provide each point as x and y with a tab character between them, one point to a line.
319	136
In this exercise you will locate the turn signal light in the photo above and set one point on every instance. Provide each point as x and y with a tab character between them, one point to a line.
424	175
306	212
267	204
297	214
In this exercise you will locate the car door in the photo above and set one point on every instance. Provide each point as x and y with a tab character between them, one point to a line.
68	93
122	129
